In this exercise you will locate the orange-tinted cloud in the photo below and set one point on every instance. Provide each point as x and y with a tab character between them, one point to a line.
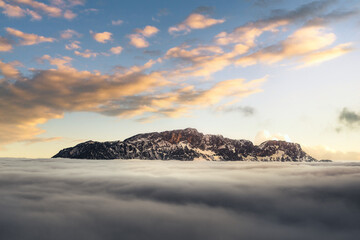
101	37
87	53
8	70
68	14
5	45
50	10
194	21
248	33
28	38
72	45
58	8
308	45
116	50
28	102
327	54
48	94
148	31
12	10
138	39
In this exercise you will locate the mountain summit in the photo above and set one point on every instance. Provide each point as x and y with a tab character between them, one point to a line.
187	145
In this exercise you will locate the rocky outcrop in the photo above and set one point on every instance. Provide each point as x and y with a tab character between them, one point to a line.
187	145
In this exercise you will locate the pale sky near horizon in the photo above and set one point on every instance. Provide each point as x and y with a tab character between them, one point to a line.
75	70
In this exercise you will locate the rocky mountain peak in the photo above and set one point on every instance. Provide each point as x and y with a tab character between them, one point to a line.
186	144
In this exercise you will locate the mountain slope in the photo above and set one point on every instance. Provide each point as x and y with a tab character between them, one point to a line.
187	145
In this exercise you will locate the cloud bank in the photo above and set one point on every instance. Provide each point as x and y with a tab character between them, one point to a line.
124	94
72	199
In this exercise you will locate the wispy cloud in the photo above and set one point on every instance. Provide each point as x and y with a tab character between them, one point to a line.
69	33
244	110
117	22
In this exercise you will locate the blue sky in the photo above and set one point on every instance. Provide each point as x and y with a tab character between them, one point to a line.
105	70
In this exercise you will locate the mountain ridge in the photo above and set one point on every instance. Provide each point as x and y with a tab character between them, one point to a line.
187	145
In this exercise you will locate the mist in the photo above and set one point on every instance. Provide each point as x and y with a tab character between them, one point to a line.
134	199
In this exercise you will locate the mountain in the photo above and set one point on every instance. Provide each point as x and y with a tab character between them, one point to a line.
187	145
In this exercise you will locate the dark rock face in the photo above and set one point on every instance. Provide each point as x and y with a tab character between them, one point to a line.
187	145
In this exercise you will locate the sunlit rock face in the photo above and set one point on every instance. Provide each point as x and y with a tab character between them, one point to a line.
187	145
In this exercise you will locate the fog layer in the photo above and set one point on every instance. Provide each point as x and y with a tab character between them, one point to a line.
133	199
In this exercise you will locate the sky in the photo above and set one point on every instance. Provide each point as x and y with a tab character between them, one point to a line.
75	70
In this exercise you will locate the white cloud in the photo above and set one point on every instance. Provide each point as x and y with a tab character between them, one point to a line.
265	135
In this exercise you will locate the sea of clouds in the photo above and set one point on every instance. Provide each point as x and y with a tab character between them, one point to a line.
134	199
